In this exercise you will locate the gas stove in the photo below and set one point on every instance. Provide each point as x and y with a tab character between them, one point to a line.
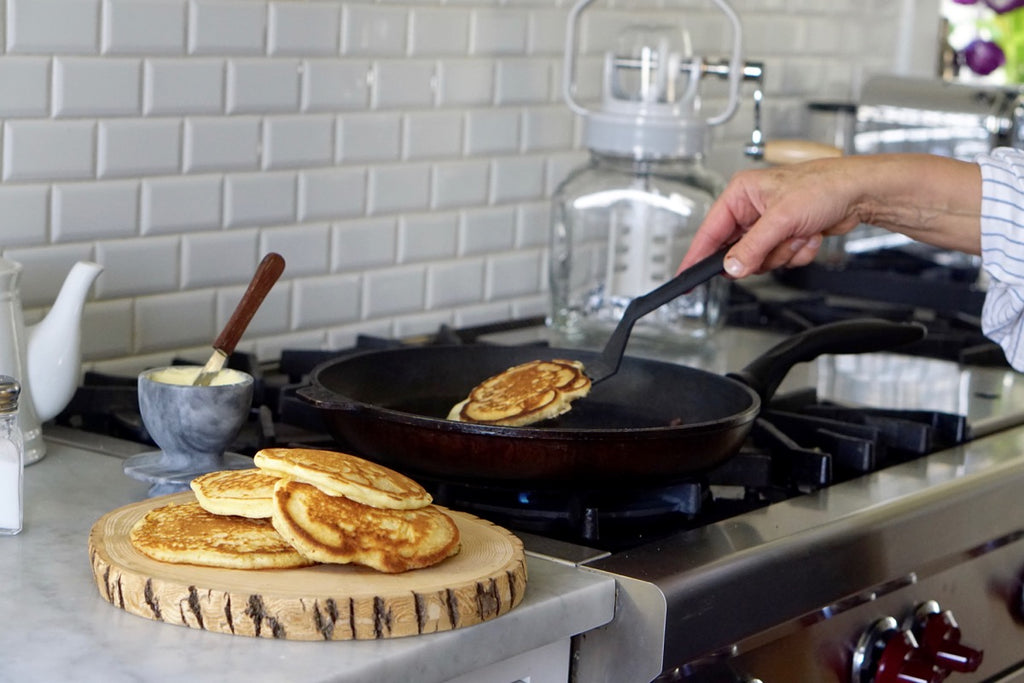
871	485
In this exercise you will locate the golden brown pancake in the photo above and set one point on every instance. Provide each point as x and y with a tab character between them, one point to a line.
338	530
246	493
187	534
341	474
525	394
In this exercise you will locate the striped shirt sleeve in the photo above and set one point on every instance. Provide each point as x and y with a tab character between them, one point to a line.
1002	250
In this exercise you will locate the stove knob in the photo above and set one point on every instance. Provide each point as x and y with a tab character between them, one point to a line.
886	654
940	639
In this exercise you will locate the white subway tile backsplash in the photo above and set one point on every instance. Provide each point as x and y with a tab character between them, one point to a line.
522	81
365	243
216	259
369	137
24	215
326	301
482	314
137	266
331	193
303	28
177	140
255	86
138	147
421	323
492	131
333	84
305	248
546	32
221	144
88	211
427	237
26	87
173	320
53	26
107	329
394	189
236	27
373	30
517	179
45	269
432	134
401	83
560	166
549	127
183	86
466	82
393	291
514	274
533	225
497	31
535	306
487	230
259	199
181	204
298	141
455	283
95	86
438	31
143	27
49	150
463	183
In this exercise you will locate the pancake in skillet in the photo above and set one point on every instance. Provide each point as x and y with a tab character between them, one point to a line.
341	474
187	534
338	530
525	394
246	493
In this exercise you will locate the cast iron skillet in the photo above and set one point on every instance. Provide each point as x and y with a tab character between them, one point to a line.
651	421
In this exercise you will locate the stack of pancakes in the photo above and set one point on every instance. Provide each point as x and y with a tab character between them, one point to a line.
299	507
525	394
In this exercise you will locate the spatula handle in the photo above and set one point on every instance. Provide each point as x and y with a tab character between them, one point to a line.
697	274
267	273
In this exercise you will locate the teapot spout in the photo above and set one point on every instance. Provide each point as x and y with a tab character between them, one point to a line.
53	357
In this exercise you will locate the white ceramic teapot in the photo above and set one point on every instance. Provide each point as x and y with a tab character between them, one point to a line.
45	358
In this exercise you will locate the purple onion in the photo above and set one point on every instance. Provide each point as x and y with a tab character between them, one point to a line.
983	56
1002	6
965	2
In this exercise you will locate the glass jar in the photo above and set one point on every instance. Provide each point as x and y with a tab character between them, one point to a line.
620	227
12	458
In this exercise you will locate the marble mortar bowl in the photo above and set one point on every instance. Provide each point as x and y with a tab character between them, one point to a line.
193	426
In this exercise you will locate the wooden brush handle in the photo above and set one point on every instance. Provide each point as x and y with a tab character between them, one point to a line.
266	275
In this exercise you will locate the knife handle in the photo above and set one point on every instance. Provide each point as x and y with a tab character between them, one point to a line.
267	273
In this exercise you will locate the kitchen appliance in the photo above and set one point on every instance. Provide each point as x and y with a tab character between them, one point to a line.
621	222
871	486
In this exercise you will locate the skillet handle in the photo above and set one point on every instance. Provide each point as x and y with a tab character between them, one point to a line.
322	398
765	373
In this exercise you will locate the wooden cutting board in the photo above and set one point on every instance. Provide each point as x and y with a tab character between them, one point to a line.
486	579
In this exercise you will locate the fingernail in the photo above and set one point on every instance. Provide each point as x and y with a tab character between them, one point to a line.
815	240
797	244
733	266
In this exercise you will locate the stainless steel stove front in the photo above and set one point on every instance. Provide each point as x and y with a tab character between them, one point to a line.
784	593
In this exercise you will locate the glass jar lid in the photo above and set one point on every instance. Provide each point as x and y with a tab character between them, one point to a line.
9	391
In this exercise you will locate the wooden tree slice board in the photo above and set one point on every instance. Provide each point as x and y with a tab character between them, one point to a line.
486	579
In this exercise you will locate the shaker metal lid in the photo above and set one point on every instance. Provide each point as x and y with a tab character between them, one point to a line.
9	391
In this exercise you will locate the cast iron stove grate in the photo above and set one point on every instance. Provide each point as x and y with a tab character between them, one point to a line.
797	445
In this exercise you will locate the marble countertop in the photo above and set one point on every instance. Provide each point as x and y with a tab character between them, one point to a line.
57	627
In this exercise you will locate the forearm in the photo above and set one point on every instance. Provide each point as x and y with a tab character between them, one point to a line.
931	199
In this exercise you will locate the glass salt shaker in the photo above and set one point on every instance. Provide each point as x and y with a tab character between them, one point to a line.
12	458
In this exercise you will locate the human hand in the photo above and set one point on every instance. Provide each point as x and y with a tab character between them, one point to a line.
777	216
